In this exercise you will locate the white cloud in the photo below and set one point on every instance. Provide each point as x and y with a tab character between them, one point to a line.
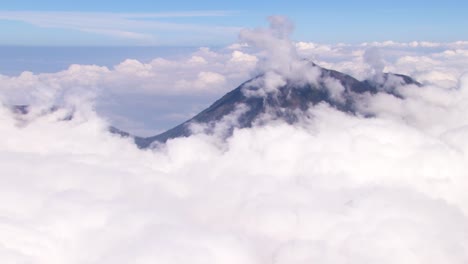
197	60
239	56
336	89
332	188
204	73
204	81
279	57
134	68
183	75
159	76
317	191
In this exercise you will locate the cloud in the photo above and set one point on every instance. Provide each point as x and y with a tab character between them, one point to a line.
280	61
204	74
332	188
374	59
159	76
280	54
148	38
434	63
145	28
239	56
204	80
258	51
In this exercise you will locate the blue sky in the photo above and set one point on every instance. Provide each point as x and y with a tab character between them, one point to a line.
195	23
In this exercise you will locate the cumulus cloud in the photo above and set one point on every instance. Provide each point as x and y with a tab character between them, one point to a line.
204	73
159	76
239	56
204	80
331	188
268	51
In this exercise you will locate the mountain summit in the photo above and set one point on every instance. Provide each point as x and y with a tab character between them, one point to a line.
291	97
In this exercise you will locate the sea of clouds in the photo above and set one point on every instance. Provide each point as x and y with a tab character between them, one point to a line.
332	188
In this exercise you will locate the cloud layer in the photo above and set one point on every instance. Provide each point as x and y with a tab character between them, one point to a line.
207	74
333	188
330	189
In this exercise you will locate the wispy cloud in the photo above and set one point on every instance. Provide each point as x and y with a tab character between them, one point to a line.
135	26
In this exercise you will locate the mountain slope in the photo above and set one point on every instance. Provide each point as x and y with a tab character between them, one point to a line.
286	101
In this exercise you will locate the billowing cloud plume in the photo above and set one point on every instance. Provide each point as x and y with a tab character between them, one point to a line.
280	60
